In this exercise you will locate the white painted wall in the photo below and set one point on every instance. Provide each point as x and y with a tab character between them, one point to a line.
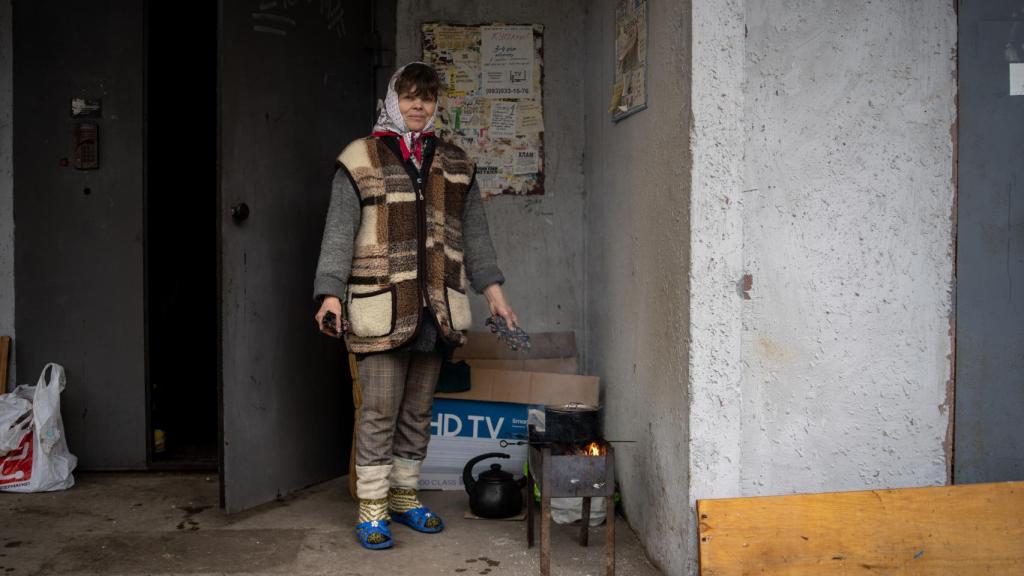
6	183
637	225
847	233
539	239
715	363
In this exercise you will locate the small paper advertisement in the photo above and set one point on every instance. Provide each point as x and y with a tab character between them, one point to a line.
503	120
506	61
629	92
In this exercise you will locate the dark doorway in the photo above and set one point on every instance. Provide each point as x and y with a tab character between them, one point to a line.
181	234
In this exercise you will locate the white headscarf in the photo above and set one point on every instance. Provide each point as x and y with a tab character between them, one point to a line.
391	121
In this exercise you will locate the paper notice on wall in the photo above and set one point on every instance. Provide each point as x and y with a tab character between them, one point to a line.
525	162
625	39
487	177
455	37
504	157
531	117
637	91
629	90
503	120
506	61
1017	79
476	113
460	81
616	97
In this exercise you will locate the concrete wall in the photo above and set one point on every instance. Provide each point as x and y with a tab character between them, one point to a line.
847	234
539	239
716	140
637	226
6	181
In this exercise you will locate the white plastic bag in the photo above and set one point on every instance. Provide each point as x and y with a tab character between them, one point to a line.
570	510
15	421
41	462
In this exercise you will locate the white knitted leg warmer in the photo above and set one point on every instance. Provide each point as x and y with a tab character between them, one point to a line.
372	490
405	473
405	477
372	481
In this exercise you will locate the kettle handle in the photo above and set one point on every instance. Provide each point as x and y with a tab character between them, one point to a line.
467	471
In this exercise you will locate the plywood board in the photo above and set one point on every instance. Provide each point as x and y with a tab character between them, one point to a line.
967	529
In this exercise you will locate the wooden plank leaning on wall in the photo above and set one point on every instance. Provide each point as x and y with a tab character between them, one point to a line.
961	530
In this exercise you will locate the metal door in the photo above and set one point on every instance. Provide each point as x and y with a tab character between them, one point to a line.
295	87
79	249
989	437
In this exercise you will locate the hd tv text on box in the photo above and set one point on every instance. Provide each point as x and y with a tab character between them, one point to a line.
470	419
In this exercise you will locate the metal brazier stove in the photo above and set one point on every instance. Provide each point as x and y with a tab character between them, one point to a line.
570	470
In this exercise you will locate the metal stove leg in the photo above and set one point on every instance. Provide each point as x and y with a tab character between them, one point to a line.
530	483
610	542
545	515
585	523
545	535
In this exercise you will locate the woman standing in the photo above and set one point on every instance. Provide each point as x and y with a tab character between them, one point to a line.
406	234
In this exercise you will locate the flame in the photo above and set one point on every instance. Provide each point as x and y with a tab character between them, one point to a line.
593	449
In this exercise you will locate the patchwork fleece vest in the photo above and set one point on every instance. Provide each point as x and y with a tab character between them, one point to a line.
408	252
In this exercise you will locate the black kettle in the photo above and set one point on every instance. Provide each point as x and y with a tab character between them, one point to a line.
495	494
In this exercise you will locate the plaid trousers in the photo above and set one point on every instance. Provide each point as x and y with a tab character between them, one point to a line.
398	395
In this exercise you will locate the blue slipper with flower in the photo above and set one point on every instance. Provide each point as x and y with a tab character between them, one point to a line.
373	530
374	534
420	519
406	509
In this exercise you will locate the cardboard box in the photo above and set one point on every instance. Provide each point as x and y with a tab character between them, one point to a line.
548	365
527	387
551	352
463	429
505	386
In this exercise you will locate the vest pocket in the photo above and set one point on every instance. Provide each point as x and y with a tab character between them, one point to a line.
459	313
372	314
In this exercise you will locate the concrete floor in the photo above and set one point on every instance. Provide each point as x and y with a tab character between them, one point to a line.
169	523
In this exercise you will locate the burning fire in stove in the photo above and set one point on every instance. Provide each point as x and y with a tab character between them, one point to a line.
592	449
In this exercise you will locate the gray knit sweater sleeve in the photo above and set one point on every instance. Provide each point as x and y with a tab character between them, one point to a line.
478	250
340	230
